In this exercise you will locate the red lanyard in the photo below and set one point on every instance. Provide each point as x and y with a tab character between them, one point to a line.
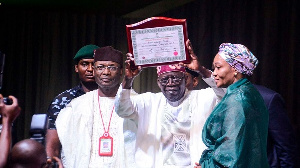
105	132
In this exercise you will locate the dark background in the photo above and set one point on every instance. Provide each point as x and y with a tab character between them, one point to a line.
40	38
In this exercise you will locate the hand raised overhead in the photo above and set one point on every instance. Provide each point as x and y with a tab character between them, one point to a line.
131	71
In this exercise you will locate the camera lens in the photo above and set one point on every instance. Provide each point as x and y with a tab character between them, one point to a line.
7	101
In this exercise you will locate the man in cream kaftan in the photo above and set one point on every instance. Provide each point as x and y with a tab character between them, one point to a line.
169	123
169	133
90	132
80	138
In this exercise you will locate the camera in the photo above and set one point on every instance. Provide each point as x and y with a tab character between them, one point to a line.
38	130
7	101
38	127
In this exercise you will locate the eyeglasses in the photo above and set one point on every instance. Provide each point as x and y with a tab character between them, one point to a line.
174	79
101	68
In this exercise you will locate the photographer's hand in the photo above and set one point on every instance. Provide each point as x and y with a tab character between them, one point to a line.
58	161
54	162
9	114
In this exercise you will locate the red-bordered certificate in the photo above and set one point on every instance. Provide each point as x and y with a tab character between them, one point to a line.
158	41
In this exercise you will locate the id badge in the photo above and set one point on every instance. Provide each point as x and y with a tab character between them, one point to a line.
105	145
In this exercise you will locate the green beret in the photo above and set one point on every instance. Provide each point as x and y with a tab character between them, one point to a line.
85	52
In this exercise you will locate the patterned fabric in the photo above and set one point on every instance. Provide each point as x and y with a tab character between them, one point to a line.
175	137
60	102
236	130
169	68
239	57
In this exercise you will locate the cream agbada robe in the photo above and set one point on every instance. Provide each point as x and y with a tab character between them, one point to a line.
147	108
79	127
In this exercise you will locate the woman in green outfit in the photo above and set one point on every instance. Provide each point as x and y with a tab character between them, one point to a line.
236	130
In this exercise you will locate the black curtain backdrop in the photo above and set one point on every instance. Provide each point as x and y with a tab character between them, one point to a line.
40	44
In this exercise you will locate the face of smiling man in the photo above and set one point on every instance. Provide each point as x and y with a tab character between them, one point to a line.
107	74
172	85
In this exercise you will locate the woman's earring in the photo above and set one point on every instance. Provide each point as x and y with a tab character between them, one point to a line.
235	74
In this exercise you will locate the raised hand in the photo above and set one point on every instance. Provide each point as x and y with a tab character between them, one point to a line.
194	64
131	71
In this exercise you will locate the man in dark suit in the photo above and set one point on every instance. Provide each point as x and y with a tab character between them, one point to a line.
282	148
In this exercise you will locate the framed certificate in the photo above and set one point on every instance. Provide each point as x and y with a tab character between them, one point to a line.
158	41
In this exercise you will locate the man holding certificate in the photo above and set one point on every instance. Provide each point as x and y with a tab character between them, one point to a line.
170	122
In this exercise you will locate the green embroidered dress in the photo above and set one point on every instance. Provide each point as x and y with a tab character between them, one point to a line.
236	131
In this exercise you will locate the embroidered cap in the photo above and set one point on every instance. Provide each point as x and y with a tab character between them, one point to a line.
239	57
169	68
108	53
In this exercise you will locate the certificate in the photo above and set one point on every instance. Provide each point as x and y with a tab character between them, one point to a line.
158	41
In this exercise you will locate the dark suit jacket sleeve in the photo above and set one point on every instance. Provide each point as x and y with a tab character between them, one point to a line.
281	132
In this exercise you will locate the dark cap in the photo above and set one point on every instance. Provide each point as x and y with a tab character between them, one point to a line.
85	52
108	53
